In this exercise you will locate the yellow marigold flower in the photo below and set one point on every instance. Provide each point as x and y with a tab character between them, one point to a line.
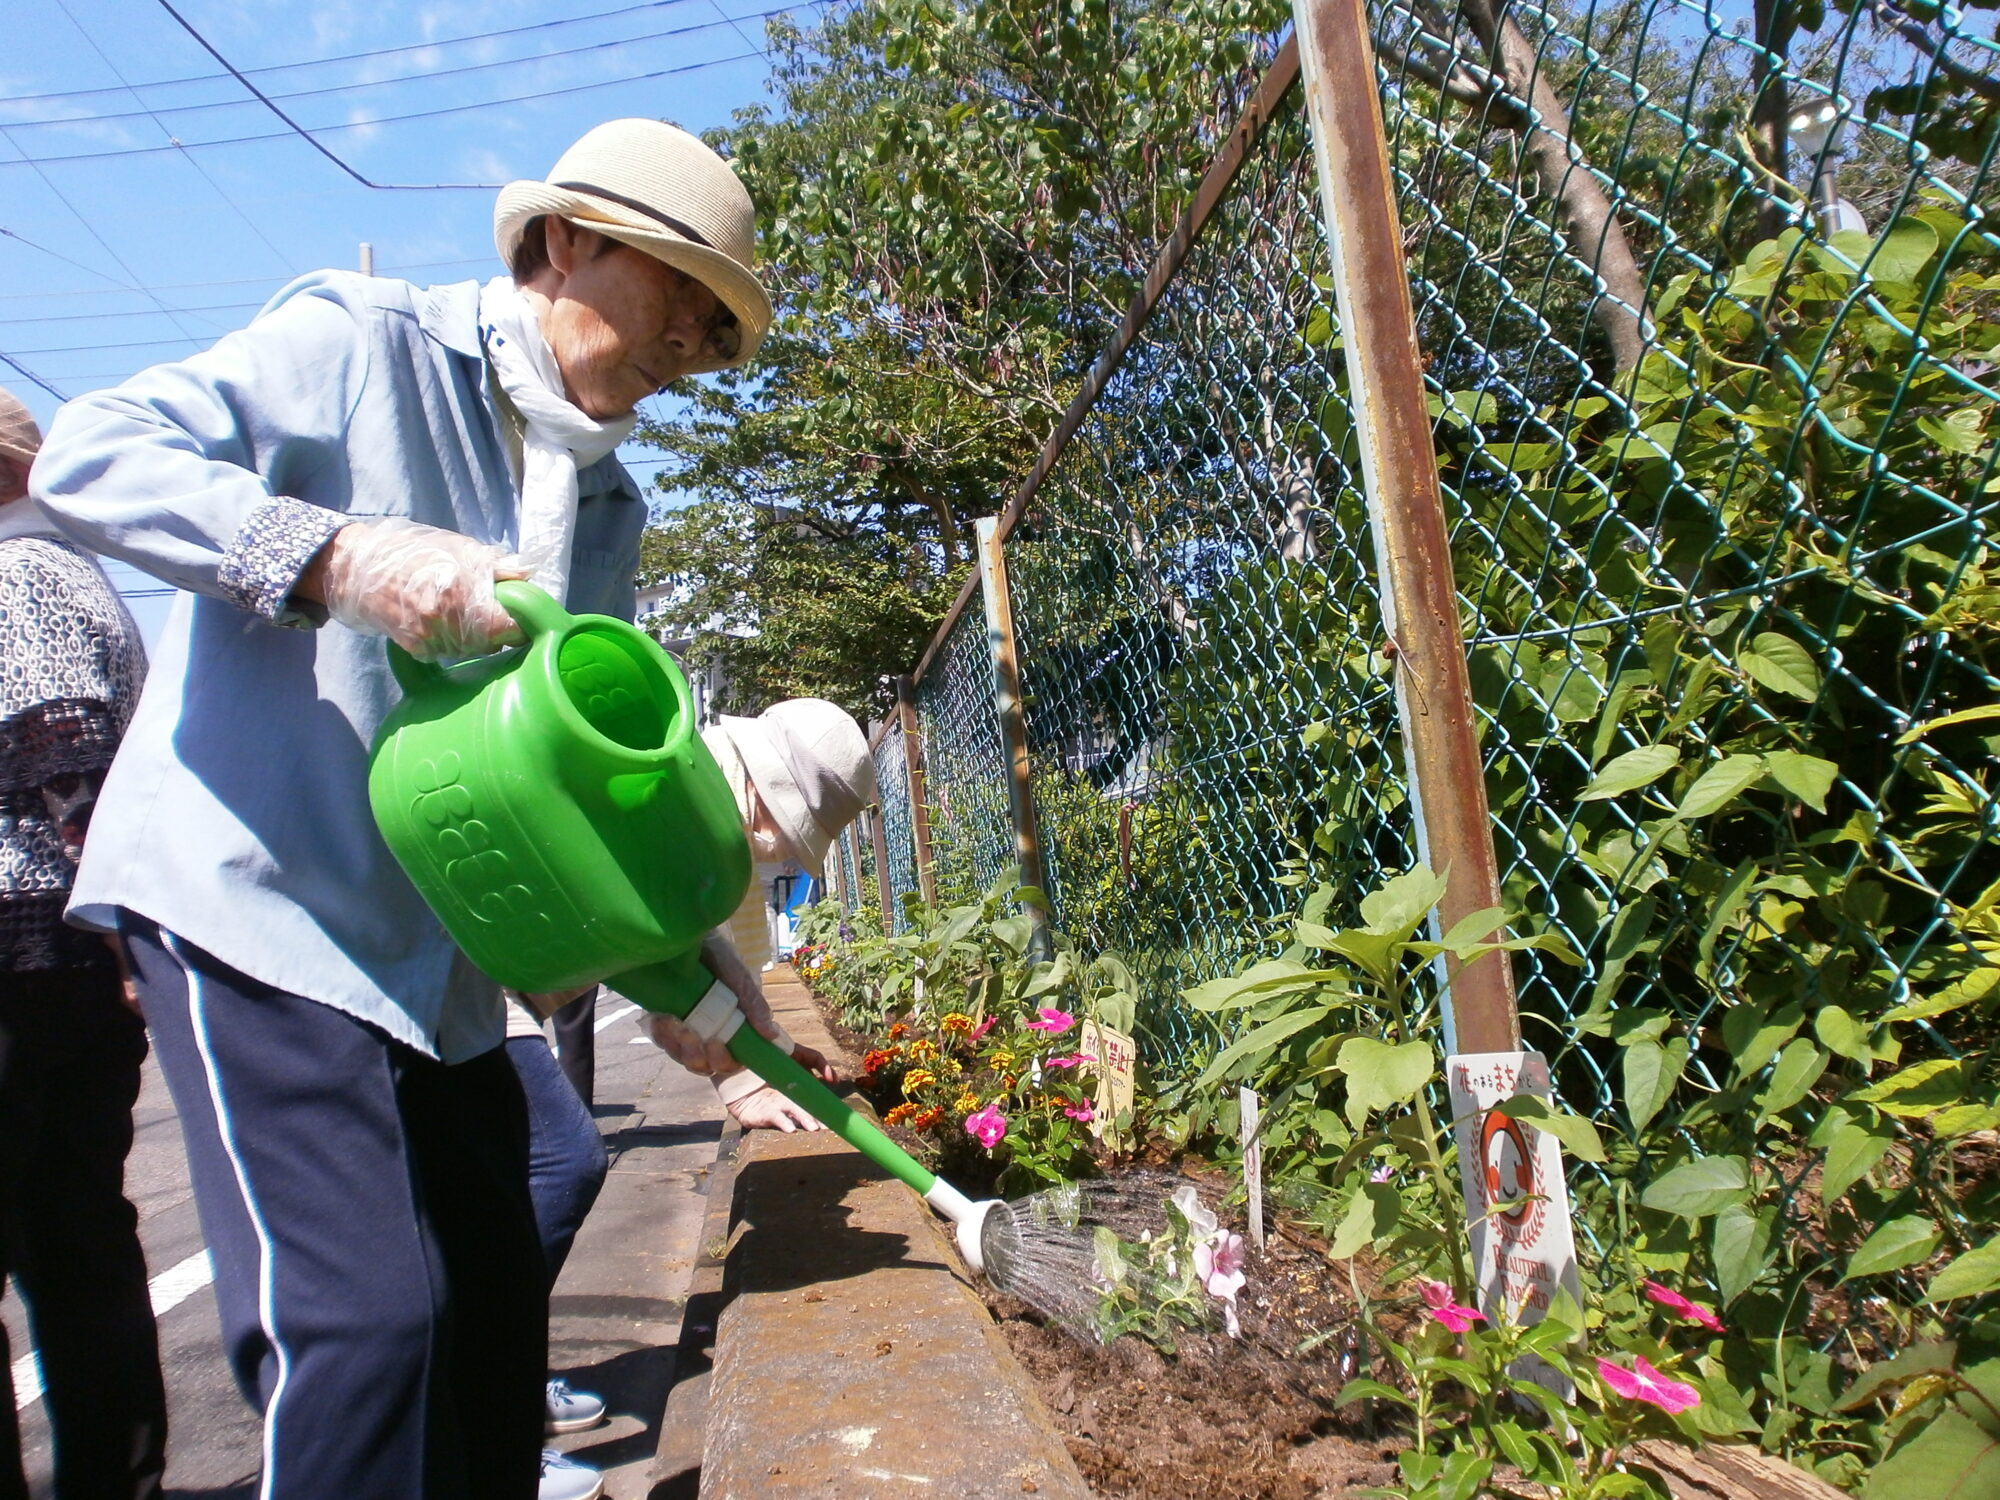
923	1050
918	1078
1002	1059
949	1067
958	1023
965	1104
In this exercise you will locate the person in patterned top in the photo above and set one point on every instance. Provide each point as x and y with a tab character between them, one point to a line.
71	1041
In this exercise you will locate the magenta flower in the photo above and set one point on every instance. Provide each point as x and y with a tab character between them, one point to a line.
1382	1173
1438	1305
987	1127
982	1028
1644	1383
1072	1060
1219	1264
1694	1312
1054	1022
1081	1112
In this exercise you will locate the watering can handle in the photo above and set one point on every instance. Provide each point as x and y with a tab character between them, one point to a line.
533	610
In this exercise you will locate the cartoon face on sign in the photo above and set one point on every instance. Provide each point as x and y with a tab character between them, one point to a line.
1509	1166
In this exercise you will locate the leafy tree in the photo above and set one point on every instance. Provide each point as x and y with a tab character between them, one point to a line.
954	205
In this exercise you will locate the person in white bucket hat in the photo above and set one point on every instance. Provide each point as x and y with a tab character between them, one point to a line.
362	463
800	772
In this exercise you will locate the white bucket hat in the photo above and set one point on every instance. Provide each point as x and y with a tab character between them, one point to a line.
809	763
653	186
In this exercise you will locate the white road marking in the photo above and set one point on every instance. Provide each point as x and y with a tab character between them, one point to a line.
616	1015
169	1290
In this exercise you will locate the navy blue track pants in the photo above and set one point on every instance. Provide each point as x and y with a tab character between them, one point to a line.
383	1295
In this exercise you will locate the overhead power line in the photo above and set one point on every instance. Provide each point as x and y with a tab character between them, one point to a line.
300	130
27	374
321	62
376	83
189	286
141	313
422	114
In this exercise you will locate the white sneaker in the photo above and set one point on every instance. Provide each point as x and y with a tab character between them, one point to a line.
566	1479
572	1411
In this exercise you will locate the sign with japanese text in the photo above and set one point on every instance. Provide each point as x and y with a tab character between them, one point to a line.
1516	1201
1116	1070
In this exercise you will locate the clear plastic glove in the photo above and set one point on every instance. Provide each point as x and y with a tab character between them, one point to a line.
767	1109
429	590
542	1005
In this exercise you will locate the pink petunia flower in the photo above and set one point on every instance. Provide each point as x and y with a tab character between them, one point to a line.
1073	1060
987	1127
1382	1173
1694	1312
1438	1305
1218	1264
1081	1112
981	1029
1054	1022
1644	1383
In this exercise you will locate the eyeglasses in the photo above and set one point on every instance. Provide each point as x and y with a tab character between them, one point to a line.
722	336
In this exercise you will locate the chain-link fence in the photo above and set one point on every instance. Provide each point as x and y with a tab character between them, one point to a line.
1712	396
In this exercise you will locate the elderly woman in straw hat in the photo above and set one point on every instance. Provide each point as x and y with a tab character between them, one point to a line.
363	462
70	1044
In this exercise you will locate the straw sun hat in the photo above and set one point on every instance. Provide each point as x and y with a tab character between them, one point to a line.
654	187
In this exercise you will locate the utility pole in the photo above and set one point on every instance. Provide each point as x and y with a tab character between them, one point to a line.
367	259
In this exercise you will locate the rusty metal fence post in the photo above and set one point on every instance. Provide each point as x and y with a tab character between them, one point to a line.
913	762
1007	705
1419	598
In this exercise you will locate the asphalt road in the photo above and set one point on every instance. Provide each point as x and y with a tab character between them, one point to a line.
614	1316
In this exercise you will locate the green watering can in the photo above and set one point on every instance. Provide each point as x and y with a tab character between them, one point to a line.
558	811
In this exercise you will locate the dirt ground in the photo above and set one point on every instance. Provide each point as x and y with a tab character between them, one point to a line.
1249	1418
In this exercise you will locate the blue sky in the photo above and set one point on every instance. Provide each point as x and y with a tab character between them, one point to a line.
120	248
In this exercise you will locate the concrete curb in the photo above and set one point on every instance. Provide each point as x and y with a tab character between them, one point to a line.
851	1357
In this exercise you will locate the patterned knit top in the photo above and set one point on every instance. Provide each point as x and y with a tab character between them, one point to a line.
71	666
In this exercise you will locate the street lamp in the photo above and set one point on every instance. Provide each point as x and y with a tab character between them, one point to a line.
1815	130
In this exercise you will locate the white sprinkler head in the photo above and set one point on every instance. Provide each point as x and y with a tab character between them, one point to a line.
968	1218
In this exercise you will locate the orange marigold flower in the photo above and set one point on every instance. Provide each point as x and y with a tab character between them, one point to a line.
930	1119
958	1023
898	1032
918	1078
899	1114
880	1058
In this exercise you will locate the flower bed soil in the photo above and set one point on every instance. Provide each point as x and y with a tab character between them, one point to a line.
1248	1418
1221	1418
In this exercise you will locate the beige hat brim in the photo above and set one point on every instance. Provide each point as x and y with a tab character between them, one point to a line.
733	283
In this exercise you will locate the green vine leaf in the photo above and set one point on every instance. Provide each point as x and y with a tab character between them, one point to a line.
1806	777
1578	1136
1380	1074
1720	785
1630	771
1781	664
1973	1274
1898	1243
1918	1090
1852	1150
1651	1073
1699	1188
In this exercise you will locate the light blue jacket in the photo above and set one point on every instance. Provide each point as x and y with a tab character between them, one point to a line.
236	814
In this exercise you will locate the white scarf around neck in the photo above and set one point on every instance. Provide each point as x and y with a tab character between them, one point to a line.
559	439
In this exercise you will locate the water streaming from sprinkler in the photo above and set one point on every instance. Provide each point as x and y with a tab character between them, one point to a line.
1042	1249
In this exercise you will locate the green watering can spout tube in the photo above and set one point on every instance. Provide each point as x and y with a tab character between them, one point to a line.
655	989
556	809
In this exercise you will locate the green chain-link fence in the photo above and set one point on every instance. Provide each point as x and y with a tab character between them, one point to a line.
1713	424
